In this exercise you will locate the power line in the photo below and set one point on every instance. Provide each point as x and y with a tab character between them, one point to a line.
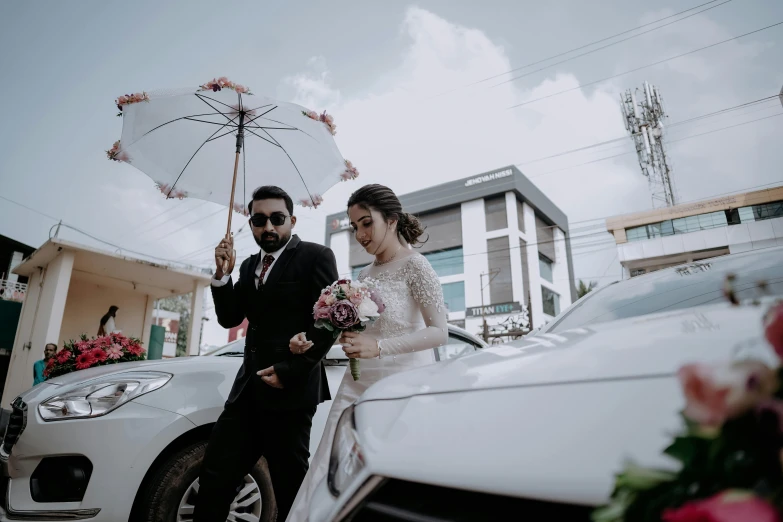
669	141
139	227
582	85
31	209
608	45
576	48
624	139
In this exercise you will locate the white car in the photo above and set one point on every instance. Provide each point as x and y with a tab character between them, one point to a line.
539	426
125	442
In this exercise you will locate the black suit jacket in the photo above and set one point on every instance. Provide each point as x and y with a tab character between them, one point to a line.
276	311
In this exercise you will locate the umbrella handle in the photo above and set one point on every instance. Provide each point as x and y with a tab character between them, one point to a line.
231	205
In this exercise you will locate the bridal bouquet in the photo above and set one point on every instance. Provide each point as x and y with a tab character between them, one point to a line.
730	452
348	306
86	353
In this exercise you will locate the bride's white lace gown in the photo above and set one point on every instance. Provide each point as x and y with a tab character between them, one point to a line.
413	323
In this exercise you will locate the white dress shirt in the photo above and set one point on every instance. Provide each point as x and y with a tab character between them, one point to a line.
220	282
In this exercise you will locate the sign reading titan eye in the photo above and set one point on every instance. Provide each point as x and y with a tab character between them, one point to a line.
496	309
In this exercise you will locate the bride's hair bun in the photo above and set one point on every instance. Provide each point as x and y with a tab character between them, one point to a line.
384	200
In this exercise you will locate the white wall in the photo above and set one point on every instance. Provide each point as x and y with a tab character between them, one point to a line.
562	282
474	247
531	237
341	245
738	238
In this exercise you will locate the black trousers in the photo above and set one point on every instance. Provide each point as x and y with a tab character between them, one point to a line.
243	434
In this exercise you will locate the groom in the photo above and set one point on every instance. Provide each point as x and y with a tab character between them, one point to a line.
270	409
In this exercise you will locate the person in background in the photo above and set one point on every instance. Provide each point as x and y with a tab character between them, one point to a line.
107	322
39	366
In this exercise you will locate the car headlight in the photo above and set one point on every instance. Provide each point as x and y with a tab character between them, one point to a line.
346	459
100	396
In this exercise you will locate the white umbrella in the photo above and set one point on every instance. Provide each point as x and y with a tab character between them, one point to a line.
183	140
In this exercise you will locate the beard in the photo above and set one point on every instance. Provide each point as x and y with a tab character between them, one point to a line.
271	241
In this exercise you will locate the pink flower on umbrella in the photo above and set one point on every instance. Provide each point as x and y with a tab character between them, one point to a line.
218	84
326	119
312	201
171	192
130	98
350	172
114	352
117	154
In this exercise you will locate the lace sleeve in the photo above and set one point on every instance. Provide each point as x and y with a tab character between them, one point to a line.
426	291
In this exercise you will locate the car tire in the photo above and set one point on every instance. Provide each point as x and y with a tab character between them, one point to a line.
173	478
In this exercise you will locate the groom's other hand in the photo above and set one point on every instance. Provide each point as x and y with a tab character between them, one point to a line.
225	257
299	344
270	377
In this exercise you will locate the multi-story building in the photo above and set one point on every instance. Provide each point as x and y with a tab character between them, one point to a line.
649	241
497	242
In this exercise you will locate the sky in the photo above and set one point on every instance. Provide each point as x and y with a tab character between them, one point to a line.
404	84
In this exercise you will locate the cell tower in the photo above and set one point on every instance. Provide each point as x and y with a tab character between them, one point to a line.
643	113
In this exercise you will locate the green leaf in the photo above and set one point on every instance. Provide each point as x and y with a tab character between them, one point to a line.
639	479
688	450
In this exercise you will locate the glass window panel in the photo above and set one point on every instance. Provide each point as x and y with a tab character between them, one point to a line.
654	230
679	226
692	223
454	296
455	349
545	235
551	301
746	214
500	262
495	211
447	262
545	267
666	228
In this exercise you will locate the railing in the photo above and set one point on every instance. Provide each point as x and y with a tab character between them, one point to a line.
12	291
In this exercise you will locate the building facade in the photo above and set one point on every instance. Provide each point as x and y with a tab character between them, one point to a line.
649	241
498	244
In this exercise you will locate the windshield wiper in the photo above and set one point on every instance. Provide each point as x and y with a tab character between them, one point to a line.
231	354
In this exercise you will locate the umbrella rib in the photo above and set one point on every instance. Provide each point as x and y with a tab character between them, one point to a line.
294	164
261	115
180	118
300	130
224	134
193	156
209	122
261	137
204	99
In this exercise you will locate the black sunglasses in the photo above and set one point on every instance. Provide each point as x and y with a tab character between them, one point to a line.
277	219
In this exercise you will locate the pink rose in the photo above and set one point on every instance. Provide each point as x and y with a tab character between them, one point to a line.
376	298
714	394
240	88
343	315
122	100
355	297
724	507
330	300
773	328
321	312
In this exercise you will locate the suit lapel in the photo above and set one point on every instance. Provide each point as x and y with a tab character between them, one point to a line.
249	277
279	267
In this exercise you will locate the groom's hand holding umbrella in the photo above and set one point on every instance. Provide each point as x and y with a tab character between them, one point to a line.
225	257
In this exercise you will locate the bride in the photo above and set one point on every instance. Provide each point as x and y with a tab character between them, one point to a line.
413	323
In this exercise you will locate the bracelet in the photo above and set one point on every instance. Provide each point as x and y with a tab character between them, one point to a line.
378	345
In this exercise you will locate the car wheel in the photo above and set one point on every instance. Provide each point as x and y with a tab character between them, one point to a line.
172	492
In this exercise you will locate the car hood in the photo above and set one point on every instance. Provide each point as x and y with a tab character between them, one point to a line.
176	366
632	348
550	418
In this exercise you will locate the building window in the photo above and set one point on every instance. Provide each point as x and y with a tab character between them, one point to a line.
551	301
545	267
447	262
761	212
520	216
679	226
495	211
500	290
545	237
638	272
454	296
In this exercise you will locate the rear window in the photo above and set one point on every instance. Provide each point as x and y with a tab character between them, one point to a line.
679	287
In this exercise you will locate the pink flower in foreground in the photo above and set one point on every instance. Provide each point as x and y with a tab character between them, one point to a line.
114	352
63	356
85	360
773	328
321	312
714	394
83	346
136	349
724	507
99	354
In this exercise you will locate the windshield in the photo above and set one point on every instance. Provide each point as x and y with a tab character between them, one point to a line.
237	348
678	287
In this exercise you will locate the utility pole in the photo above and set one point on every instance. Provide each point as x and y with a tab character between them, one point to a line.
643	115
484	328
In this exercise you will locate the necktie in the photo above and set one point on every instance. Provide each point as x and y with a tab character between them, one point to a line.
267	262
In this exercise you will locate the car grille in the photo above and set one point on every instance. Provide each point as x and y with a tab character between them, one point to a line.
397	500
17	422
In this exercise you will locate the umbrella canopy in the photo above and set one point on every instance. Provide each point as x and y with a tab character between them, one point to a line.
187	142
